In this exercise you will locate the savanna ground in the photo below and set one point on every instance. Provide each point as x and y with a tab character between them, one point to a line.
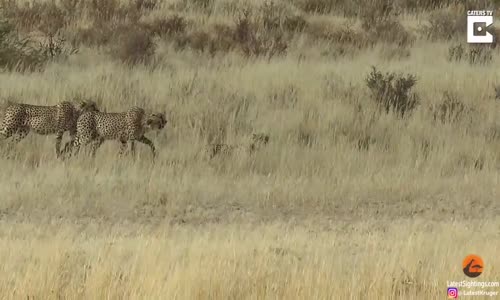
348	200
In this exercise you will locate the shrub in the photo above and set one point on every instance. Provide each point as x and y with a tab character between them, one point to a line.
347	8
166	26
380	24
71	7
497	92
93	36
254	43
54	46
390	52
295	23
104	10
244	35
136	46
316	6
479	54
450	110
445	25
203	5
336	35
416	6
392	91
18	53
456	52
146	4
44	16
274	17
306	130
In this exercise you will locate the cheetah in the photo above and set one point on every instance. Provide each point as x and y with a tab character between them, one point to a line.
20	119
257	141
130	126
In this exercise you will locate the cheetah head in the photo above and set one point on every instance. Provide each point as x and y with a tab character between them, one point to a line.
258	140
156	121
86	105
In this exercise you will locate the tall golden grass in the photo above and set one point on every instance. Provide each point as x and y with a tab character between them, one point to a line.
344	202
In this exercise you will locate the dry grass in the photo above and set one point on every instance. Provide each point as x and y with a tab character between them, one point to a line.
346	201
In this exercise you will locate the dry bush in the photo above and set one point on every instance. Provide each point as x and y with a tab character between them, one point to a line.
380	24
215	122
166	27
392	91
101	34
352	8
480	54
474	54
55	46
278	17
283	97
255	42
111	12
204	6
450	110
218	38
46	17
196	6
415	6
306	131
295	23
18	53
134	47
456	52
497	92
245	36
390	52
93	36
317	6
72	8
344	7
105	10
444	24
344	34
145	5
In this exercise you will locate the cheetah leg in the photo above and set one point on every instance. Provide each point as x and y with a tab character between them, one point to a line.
96	144
20	134
69	145
59	137
132	147
16	135
75	145
5	133
123	147
148	142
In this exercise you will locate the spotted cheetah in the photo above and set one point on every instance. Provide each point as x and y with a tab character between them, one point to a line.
20	119
130	126
257	141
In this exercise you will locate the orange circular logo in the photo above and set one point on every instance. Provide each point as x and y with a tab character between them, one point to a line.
473	265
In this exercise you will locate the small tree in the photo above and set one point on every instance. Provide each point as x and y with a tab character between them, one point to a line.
392	91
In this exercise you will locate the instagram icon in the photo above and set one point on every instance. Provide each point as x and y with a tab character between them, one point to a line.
452	293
